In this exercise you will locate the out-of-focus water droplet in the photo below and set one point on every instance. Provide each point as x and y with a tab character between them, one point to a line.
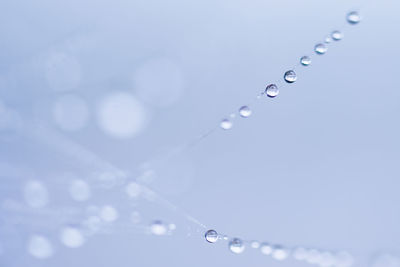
337	35
71	237
36	194
245	112
172	226
79	190
353	17
226	124
255	244
305	60
91	225
158	228
326	259
266	249
320	49
300	253
290	76
108	213
272	90
236	245
313	256
133	190
136	217
211	236
279	253
40	247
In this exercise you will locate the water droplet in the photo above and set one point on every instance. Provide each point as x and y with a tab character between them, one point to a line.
108	213
133	190
255	244
266	249
40	247
320	49
226	124
245	111
279	253
353	17
91	225
172	226
337	35
36	194
72	237
344	259
326	259
272	90
305	60
300	253
328	40
290	76
211	236
79	190
313	256
236	245
158	228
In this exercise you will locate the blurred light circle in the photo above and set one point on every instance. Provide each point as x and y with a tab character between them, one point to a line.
70	112
158	228
72	237
62	72
121	116
36	194
40	247
79	190
159	82
108	213
133	190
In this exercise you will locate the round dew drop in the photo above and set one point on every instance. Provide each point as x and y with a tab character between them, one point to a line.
353	17
290	76
158	228
236	245
245	112
272	90
266	249
305	60
279	253
211	236
320	49
226	124
337	35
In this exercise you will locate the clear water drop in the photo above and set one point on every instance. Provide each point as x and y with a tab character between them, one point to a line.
272	90
71	237
158	228
226	124
236	245
211	236
245	112
290	76
266	249
40	247
337	35
320	49
305	60
353	18
279	253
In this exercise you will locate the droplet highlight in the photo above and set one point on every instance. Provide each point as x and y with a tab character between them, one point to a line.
226	124
158	228
245	112
320	49
211	236
305	60
290	76
236	246
337	35
279	253
353	18
272	90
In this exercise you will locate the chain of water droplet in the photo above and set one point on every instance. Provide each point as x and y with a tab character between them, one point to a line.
97	219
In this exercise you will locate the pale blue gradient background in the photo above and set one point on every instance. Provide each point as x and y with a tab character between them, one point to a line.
318	166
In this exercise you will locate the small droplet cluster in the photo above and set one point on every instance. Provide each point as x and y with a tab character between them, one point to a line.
290	76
